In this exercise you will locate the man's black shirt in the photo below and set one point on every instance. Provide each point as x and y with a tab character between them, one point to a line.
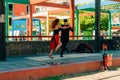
65	33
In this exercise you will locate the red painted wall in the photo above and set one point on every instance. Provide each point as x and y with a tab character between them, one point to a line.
21	9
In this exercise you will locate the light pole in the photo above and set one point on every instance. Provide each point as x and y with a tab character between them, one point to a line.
97	25
2	31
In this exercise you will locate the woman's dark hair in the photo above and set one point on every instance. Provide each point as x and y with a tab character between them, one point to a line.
54	23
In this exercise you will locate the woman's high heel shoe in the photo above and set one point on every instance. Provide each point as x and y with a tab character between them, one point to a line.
51	57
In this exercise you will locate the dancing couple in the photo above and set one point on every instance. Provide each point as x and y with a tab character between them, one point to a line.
56	41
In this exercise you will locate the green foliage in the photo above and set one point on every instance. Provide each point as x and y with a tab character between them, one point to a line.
88	22
104	22
53	78
112	6
82	11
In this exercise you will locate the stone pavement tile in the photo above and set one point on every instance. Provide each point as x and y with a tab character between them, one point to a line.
106	75
38	61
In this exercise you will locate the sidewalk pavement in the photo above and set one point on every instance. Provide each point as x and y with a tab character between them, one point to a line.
106	75
27	62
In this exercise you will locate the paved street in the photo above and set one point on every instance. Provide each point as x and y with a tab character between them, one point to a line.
106	75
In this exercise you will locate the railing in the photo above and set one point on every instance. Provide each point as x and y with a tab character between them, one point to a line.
47	38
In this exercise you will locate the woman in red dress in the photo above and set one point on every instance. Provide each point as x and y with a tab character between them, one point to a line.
55	38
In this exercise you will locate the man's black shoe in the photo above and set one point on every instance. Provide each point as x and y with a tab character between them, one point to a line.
61	55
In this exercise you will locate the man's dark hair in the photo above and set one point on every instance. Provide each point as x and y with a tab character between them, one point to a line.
65	20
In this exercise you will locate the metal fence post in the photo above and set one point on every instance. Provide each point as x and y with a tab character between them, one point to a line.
2	31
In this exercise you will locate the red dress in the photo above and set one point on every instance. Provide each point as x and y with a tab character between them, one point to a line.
55	39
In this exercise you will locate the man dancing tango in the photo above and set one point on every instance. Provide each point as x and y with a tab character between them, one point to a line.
64	36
